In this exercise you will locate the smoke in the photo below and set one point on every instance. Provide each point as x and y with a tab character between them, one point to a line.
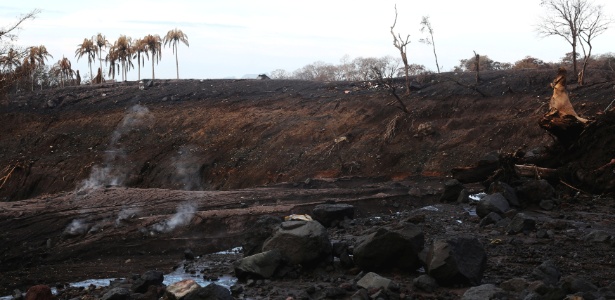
187	169
76	227
126	214
114	168
183	216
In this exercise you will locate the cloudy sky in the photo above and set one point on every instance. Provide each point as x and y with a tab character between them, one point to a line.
237	37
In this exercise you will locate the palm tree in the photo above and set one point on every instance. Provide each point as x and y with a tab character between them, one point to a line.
101	42
37	56
112	58
87	48
123	53
173	37
64	69
154	46
11	60
137	48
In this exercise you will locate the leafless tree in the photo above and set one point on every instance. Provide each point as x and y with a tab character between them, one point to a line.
477	66
597	23
401	45
390	85
6	32
426	26
573	20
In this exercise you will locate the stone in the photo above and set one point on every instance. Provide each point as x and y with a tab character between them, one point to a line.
259	232
534	191
575	284
491	218
506	190
118	293
521	223
342	251
188	254
547	272
452	189
372	280
182	288
260	265
482	292
464	196
514	285
458	260
148	278
301	242
598	236
210	292
386	248
425	283
547	204
496	203
39	292
328	214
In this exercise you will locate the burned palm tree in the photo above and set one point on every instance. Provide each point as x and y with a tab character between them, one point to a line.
122	49
101	42
139	47
36	57
154	46
87	48
64	70
173	38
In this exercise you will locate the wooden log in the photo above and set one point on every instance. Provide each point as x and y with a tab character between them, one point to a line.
566	128
534	171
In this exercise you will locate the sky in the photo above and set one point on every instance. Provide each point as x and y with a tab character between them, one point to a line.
232	38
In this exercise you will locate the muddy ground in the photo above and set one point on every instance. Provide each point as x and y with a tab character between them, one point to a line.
118	162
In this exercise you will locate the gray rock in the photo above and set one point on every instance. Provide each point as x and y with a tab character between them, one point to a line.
515	285
547	272
464	196
260	231
496	203
521	223
534	191
210	292
459	260
452	189
574	284
262	265
598	236
491	218
484	292
506	190
361	294
372	280
301	242
118	293
327	214
547	204
425	283
390	248
148	278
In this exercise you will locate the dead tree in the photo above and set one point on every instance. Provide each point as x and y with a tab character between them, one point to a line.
477	66
390	85
401	45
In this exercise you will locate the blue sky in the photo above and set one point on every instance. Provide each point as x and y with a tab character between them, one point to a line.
237	37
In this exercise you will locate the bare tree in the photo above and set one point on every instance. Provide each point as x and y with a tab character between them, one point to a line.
569	19
6	32
477	66
401	45
595	25
426	26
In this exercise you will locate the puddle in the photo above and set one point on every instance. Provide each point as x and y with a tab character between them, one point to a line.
178	274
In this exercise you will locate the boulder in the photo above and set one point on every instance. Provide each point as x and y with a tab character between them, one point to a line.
534	191
372	280
491	218
181	288
425	283
210	292
328	214
547	272
148	278
300	242
483	292
118	293
521	223
39	292
340	250
260	265
506	190
260	231
458	260
452	189
386	248
598	236
496	203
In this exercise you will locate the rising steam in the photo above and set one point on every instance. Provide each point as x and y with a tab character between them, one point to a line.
183	216
113	169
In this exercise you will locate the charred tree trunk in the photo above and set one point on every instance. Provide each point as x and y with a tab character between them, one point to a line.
566	128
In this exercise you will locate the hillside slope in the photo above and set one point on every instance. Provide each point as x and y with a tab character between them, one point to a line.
230	134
